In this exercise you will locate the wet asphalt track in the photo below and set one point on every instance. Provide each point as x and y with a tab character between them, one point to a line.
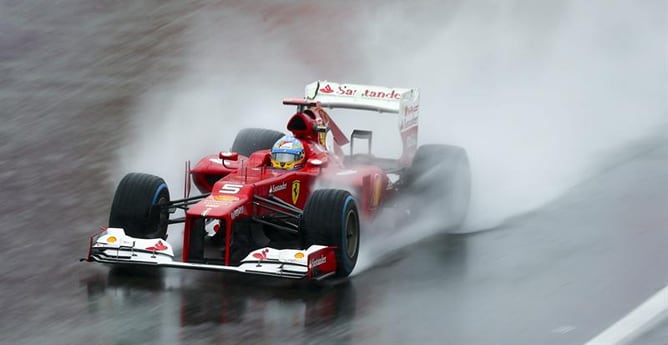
558	275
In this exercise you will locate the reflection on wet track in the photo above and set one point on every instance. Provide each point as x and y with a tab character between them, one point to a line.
202	310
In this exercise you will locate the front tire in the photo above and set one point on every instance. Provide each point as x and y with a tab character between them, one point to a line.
331	218
138	206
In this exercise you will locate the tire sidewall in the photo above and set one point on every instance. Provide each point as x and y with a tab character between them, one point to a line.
157	217
325	222
348	262
136	209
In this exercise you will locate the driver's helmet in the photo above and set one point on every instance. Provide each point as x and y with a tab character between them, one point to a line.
287	153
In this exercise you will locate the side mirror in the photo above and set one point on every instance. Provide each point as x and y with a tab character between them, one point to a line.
229	156
314	162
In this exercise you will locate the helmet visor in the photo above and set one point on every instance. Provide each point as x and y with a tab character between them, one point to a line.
284	157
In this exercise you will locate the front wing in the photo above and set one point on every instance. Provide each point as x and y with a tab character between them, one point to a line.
113	246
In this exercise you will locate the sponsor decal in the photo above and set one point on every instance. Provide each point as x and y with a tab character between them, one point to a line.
159	246
236	213
375	200
296	186
225	198
278	187
411	109
317	262
381	94
261	255
214	204
322	138
326	89
410	118
220	200
345	90
407	123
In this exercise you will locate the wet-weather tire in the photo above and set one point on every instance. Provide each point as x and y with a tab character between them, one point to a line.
439	182
249	140
137	206
331	218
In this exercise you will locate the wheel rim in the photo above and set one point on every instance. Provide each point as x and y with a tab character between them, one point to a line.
352	234
163	218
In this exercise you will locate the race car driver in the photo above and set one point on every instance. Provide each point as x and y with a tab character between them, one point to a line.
288	153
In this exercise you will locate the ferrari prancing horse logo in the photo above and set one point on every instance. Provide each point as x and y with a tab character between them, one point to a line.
295	191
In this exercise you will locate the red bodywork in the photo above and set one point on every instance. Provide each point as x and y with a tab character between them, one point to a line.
233	185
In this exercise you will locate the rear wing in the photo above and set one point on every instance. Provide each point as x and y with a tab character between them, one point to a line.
401	101
363	97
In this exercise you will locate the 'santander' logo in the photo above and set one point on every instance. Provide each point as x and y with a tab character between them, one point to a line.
278	187
159	246
326	89
317	262
261	255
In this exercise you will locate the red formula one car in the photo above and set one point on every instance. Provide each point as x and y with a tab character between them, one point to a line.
289	206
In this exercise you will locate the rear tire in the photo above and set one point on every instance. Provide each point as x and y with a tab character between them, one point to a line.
439	181
137	206
331	218
249	140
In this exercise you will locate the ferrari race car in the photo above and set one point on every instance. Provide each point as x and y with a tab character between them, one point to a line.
289	206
